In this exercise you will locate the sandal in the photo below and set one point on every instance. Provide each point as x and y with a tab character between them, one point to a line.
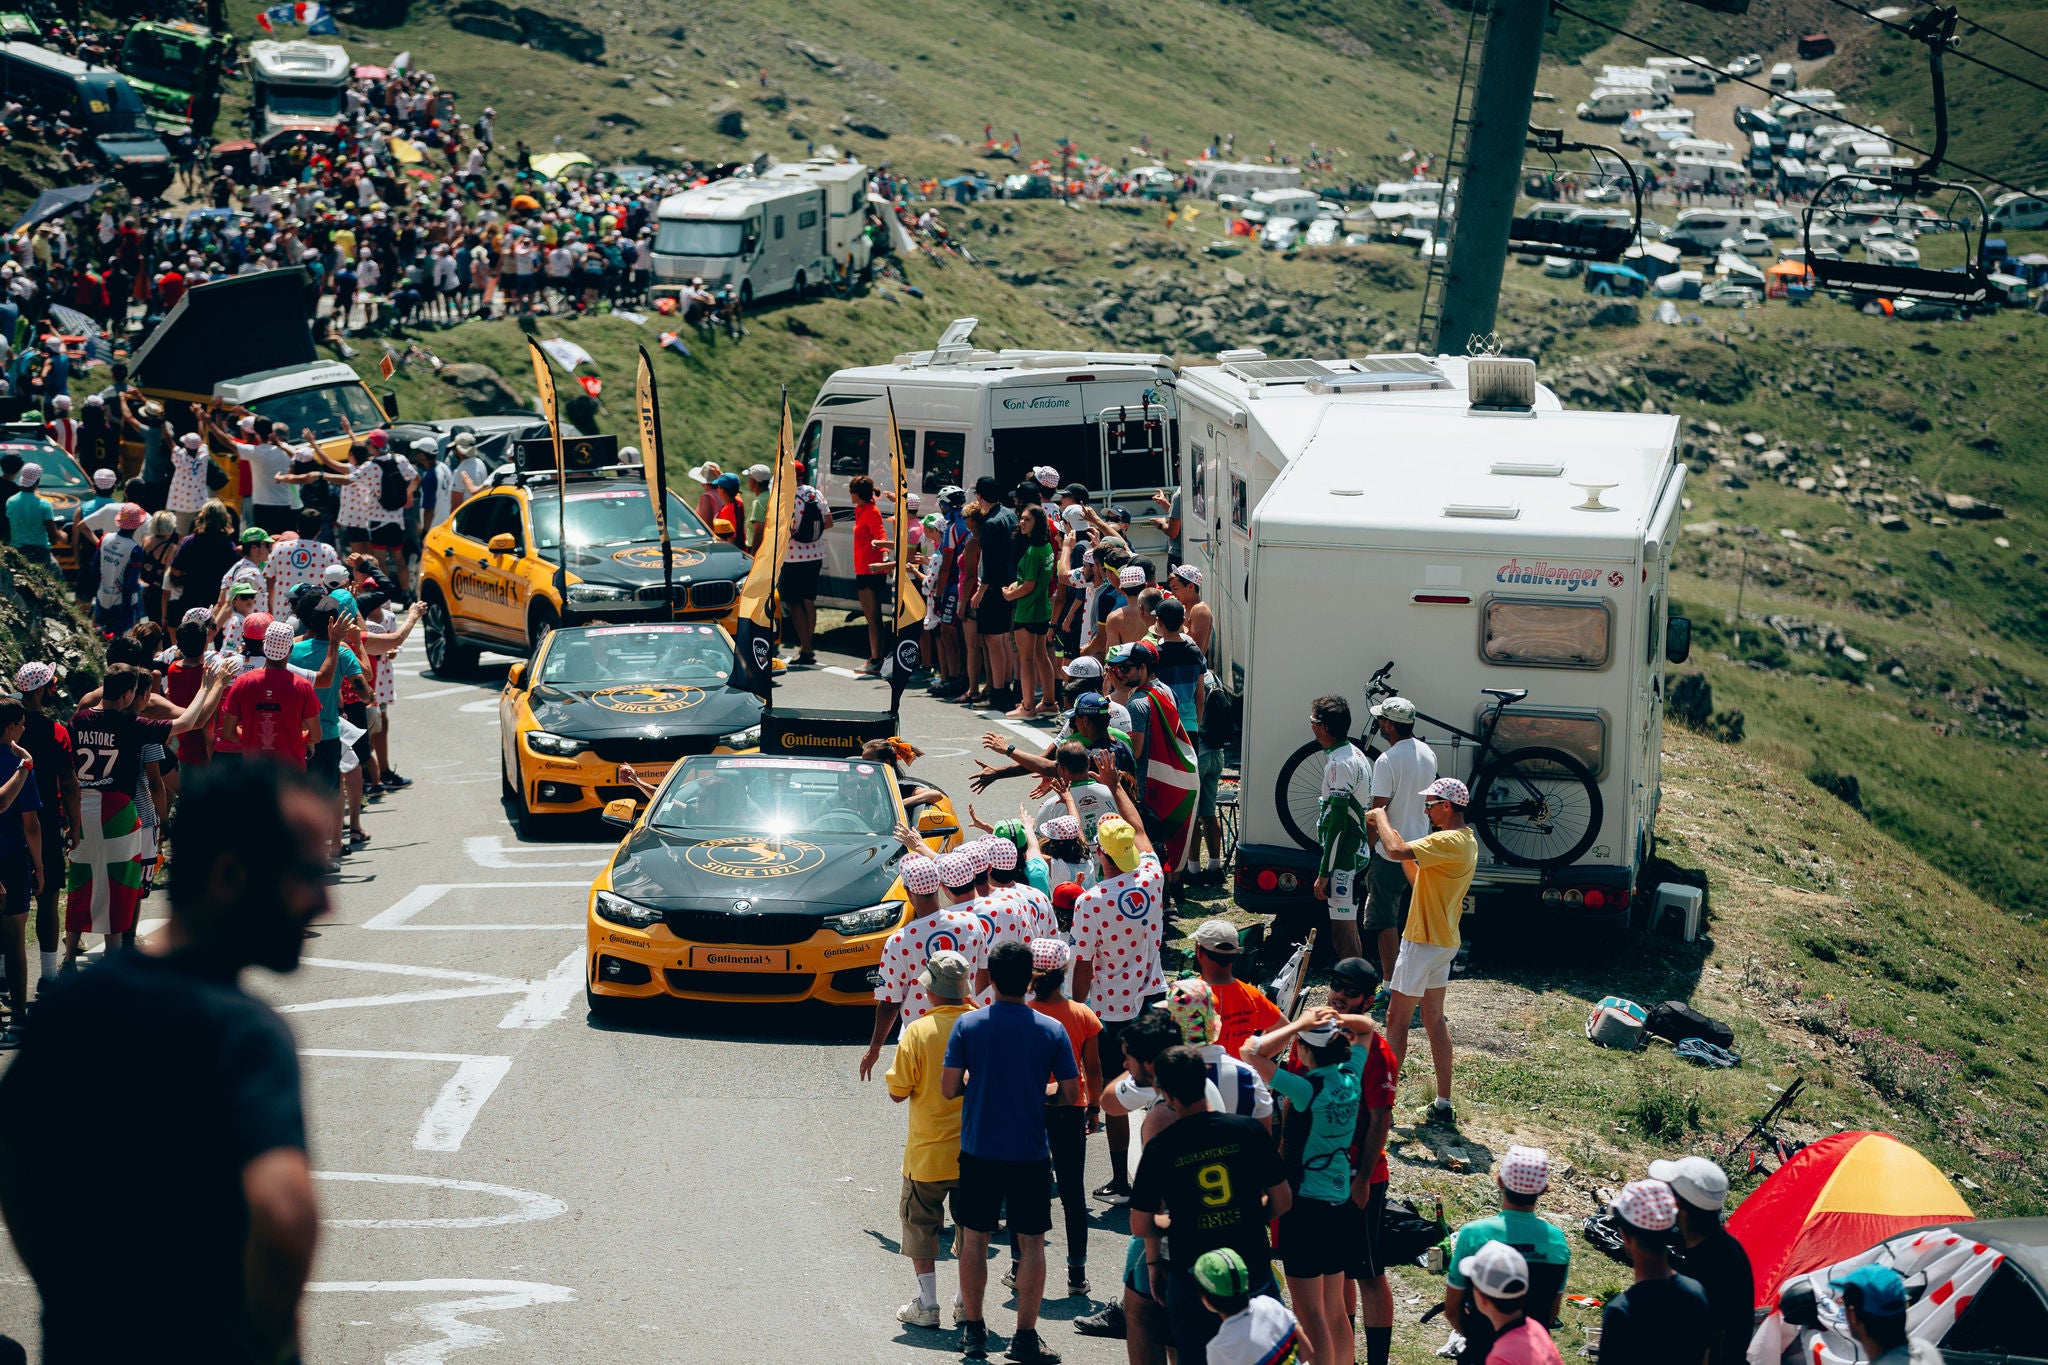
359	836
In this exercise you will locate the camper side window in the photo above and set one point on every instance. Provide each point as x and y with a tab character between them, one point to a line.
945	455
778	227
1199	465
807	219
849	450
807	447
1582	734
1240	503
1545	634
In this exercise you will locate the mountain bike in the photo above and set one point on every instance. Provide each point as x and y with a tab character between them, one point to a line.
1532	806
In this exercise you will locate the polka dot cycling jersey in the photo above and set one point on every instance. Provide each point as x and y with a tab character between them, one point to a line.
1119	927
910	947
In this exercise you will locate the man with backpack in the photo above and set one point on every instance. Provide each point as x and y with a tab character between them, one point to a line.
801	563
378	488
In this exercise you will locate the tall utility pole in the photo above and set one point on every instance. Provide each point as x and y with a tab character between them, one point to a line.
1491	177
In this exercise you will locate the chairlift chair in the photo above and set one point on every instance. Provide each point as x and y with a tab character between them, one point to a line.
1583	241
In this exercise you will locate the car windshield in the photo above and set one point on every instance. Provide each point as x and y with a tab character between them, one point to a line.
603	656
300	101
615	515
696	237
112	108
166	58
776	798
322	409
60	471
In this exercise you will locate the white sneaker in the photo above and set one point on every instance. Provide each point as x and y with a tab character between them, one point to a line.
959	1309
918	1313
1010	1278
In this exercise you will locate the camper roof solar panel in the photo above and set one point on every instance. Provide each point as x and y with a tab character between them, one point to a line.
1279	371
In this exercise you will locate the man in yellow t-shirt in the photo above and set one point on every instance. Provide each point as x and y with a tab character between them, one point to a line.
931	1155
1440	864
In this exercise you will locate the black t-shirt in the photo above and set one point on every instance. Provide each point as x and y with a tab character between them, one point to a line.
202	561
998	552
49	743
1207	1173
1654	1322
108	748
1721	1267
144	1049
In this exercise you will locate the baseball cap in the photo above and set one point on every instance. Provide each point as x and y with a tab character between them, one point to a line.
334	575
255	535
1695	1179
1136	652
1001	852
377	440
1447	789
1497	1270
1083	666
277	642
1222	1272
1880	1290
1090	704
242	588
1117	840
919	874
33	674
1399	710
1320	1035
945	973
1049	954
1065	894
1078	492
1047	476
29	475
1217	938
1356	975
1192	1007
1074	517
760	471
1525	1171
957	869
1060	827
426	445
1130	576
982	851
255	624
729	482
1647	1206
103	479
1188	573
190	440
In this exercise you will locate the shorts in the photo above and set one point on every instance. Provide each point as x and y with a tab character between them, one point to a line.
1209	768
326	764
273	517
922	1207
876	583
1344	889
949	607
17	876
799	582
377	719
1109	1044
1421	967
1034	627
352	535
993	615
992	1192
391	533
1316	1238
1366	1263
1135	1277
359	716
1386	894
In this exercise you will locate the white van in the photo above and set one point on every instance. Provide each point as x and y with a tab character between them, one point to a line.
1241	177
1687	73
1613	105
1699	232
1104	419
1783	79
762	237
1454	540
1700	147
1713	174
2016	212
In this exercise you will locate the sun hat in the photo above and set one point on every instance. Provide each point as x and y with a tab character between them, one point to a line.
1060	827
945	974
29	475
1696	1180
1646	1206
1049	954
32	675
277	642
1447	789
1217	938
1497	1270
1222	1272
1399	710
1118	841
920	875
958	869
1880	1290
1525	1171
130	517
1192	1007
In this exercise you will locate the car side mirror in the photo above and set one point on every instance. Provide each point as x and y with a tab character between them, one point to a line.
516	675
624	812
1677	640
504	543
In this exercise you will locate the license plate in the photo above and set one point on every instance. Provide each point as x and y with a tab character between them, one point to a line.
740	959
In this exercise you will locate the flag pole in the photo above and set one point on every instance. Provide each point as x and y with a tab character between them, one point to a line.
899	540
544	382
656	468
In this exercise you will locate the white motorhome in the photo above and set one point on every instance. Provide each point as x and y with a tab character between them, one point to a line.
1687	73
845	184
1619	77
1301	205
1697	146
1700	231
1103	419
1433	512
1615	104
1714	174
759	236
297	86
1241	177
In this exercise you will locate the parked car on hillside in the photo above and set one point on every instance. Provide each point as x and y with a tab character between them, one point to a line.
1748	64
1891	251
1322	232
1749	243
1562	267
1722	294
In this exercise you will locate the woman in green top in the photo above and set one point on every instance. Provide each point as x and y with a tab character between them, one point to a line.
1030	599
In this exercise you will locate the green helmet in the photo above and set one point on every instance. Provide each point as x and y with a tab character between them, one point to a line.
1223	1273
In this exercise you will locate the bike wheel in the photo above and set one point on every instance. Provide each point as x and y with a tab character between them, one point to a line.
1536	808
1298	791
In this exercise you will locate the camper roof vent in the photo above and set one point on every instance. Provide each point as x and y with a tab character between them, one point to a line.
1279	371
1501	384
1241	353
953	346
1528	469
1483	511
1382	374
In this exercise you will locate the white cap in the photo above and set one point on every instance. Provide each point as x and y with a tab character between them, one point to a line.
1399	710
1696	1180
334	575
1497	1270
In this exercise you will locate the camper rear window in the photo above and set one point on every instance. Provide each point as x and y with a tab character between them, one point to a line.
1545	634
1582	734
1073	448
945	455
849	450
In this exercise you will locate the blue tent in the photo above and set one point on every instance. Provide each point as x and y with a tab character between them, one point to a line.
56	203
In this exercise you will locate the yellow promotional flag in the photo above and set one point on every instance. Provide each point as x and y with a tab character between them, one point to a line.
756	637
544	384
647	406
909	609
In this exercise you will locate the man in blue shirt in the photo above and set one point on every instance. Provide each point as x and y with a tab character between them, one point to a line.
998	1062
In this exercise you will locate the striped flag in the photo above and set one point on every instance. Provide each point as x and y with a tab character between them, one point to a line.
1171	781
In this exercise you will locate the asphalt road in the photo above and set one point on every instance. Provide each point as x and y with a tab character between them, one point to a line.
502	1179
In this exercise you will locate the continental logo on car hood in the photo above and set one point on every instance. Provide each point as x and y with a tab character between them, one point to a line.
648	699
649	557
754	858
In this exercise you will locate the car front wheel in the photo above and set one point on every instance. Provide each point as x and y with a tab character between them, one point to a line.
446	654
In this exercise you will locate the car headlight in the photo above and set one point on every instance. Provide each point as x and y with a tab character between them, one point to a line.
872	920
742	739
555	746
619	910
597	592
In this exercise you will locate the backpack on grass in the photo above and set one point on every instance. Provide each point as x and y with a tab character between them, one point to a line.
1617	1023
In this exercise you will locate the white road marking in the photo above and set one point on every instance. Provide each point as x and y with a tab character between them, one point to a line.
843	672
422	897
356	1002
491	851
1018	727
408	969
549	998
533	1207
479	707
436	692
446	1316
448	1119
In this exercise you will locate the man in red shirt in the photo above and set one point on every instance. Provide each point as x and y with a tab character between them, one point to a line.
271	711
1242	1007
1353	983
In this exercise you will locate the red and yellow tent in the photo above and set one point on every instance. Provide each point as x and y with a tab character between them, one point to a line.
1833	1200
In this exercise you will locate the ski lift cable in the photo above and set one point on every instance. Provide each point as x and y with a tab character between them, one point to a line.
1988	32
1911	31
1654	46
